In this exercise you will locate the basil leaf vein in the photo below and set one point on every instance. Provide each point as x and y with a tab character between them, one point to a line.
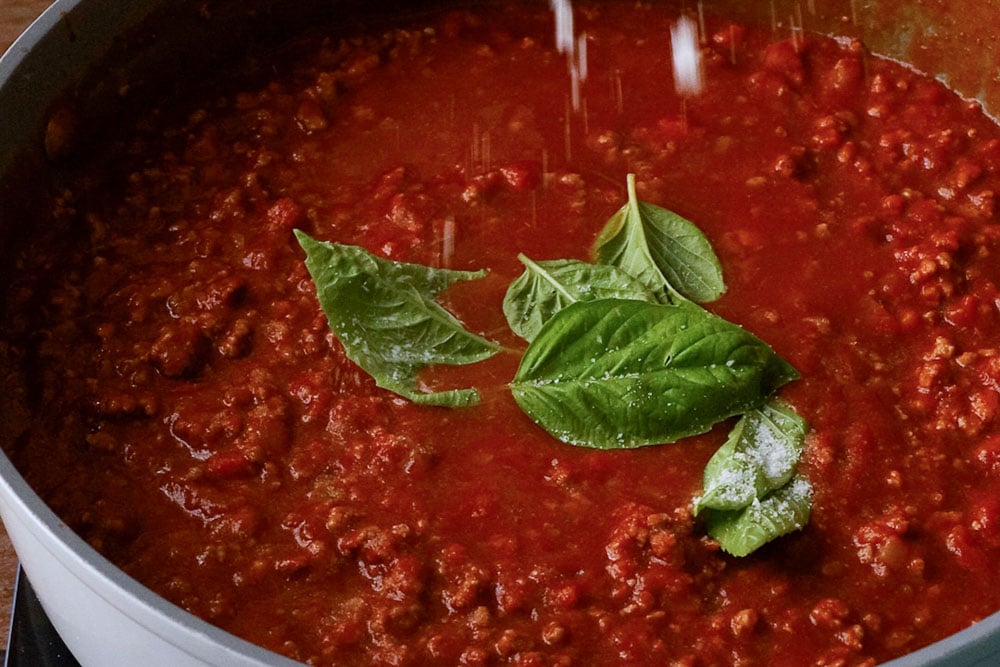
384	314
616	373
548	286
663	250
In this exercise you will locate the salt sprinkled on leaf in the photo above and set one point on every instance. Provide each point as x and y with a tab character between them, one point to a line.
759	456
740	532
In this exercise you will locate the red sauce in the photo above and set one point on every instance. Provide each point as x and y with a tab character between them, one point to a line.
187	411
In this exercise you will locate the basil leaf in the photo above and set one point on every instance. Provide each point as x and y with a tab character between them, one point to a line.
618	373
546	287
384	314
759	456
740	532
663	250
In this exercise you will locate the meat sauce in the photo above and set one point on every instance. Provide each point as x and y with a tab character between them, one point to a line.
178	399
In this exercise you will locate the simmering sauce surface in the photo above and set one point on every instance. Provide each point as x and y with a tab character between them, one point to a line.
176	396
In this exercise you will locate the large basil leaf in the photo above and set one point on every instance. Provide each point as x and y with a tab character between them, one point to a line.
663	250
739	532
548	286
385	316
759	456
618	373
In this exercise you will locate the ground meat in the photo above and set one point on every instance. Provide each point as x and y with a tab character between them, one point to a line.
178	398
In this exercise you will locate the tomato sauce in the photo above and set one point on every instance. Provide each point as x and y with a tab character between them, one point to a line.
178	399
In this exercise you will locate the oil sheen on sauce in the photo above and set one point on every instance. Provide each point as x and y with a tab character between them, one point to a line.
189	414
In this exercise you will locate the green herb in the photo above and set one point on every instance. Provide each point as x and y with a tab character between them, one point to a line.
740	532
617	373
546	287
619	356
759	457
750	492
384	314
664	251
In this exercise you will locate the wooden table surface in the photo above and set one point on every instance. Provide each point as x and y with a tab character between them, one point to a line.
15	15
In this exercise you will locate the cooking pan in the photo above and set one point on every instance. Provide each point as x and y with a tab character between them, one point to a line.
98	59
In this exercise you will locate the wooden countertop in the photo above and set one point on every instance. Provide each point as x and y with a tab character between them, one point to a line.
15	16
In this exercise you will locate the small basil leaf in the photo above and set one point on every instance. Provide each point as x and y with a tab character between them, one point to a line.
759	456
618	373
546	287
384	314
665	251
740	532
